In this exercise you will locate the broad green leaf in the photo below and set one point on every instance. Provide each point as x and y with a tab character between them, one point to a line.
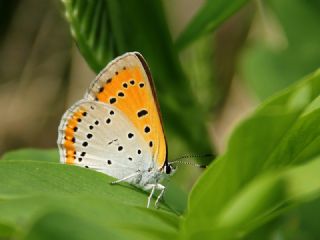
297	222
90	26
174	196
6	231
270	194
61	225
265	198
271	66
283	133
207	19
98	212
304	216
26	178
51	155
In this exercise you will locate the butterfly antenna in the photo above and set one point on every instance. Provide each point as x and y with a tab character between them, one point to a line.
195	156
177	160
188	163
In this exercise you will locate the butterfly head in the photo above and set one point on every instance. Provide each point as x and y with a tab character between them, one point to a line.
169	169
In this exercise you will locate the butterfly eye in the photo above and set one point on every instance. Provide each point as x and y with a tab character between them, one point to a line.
168	169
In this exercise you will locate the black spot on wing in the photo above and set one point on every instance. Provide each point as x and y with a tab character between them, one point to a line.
112	100
147	129
142	113
130	135
89	135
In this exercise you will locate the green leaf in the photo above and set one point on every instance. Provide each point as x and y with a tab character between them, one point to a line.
51	155
61	225
207	19
34	189
51	215
26	178
175	198
268	194
90	26
282	134
269	66
6	231
265	198
298	223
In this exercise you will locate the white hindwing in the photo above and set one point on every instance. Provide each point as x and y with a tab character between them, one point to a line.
106	141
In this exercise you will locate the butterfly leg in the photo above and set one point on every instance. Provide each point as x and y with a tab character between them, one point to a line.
126	178
152	187
161	188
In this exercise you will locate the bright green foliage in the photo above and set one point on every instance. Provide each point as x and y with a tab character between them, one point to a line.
262	170
33	154
6	230
297	223
90	25
270	66
32	189
99	213
207	19
82	215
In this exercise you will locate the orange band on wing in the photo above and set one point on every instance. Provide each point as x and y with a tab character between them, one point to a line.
71	127
128	91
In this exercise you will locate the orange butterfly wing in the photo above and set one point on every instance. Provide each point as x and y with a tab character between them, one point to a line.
126	83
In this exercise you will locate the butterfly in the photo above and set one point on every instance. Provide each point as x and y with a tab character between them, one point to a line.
117	128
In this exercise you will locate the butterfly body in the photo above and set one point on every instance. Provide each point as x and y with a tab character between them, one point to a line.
117	129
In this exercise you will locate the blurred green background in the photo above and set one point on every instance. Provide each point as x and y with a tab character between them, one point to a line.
213	62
